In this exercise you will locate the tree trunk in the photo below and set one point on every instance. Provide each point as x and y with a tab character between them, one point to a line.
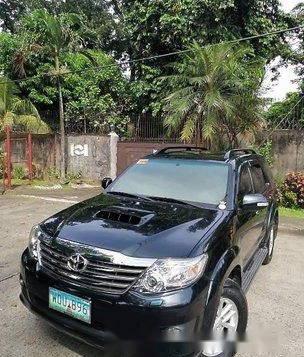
61	122
198	132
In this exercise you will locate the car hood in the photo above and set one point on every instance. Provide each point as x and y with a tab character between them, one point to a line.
133	227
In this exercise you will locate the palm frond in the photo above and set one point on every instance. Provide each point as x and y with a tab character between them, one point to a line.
216	83
32	123
7	119
209	124
15	111
189	129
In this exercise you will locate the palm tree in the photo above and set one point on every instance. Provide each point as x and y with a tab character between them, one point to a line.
214	94
15	112
51	35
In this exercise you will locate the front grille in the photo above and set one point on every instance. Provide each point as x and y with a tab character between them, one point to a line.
98	275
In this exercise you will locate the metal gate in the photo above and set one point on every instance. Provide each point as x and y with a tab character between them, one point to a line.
129	152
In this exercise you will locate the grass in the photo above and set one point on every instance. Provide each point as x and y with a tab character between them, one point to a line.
291	212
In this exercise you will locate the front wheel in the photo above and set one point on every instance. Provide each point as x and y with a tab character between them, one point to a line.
231	320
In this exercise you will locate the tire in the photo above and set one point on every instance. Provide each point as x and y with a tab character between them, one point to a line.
272	235
233	292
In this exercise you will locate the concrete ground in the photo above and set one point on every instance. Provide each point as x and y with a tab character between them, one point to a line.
276	323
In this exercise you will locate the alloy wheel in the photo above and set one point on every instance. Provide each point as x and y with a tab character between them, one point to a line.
225	325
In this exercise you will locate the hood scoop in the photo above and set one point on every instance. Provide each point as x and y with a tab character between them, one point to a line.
133	217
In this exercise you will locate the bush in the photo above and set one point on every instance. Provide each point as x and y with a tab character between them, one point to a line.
74	176
289	199
292	191
266	151
37	172
52	173
19	172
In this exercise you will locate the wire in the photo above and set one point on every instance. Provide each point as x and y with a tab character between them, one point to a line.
281	121
143	59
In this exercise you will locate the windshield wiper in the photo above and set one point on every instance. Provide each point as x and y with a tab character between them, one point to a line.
173	200
131	195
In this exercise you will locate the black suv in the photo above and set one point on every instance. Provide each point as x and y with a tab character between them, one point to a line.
166	254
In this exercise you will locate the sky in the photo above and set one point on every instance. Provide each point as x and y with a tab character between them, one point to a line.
285	83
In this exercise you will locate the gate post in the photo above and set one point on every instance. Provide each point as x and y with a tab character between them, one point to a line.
8	157
30	156
113	153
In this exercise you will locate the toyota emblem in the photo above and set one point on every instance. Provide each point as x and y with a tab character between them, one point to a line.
77	262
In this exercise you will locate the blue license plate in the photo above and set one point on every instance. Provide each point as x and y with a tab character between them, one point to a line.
70	305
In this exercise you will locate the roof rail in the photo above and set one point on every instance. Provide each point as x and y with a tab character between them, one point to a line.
179	148
239	152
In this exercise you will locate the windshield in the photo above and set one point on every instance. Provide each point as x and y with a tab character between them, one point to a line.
187	180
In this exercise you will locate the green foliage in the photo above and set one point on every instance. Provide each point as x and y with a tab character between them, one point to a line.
157	27
52	173
74	176
98	21
95	97
292	190
289	199
15	111
51	32
291	212
287	110
266	151
19	172
9	45
215	89
127	29
48	34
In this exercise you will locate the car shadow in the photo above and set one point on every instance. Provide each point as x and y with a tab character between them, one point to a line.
142	349
72	344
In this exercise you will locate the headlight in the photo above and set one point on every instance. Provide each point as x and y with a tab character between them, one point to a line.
171	274
33	242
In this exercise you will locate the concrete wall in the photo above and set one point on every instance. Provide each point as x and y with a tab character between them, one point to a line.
288	147
43	149
89	154
96	156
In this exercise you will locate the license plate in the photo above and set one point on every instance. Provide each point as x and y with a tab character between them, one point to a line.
70	305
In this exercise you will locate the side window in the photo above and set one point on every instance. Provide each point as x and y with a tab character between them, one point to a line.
258	177
245	185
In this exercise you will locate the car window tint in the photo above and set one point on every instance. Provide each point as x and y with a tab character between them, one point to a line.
245	186
189	180
258	178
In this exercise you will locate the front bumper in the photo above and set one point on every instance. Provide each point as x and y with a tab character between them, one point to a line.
174	317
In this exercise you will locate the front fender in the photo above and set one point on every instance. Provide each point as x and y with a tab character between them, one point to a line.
225	265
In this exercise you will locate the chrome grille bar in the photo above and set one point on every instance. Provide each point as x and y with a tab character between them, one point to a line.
98	275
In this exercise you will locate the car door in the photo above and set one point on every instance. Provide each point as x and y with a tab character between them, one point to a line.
246	221
261	185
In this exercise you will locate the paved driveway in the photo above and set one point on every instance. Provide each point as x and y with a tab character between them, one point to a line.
276	325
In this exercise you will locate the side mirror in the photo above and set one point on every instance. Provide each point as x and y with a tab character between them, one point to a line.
254	201
106	182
